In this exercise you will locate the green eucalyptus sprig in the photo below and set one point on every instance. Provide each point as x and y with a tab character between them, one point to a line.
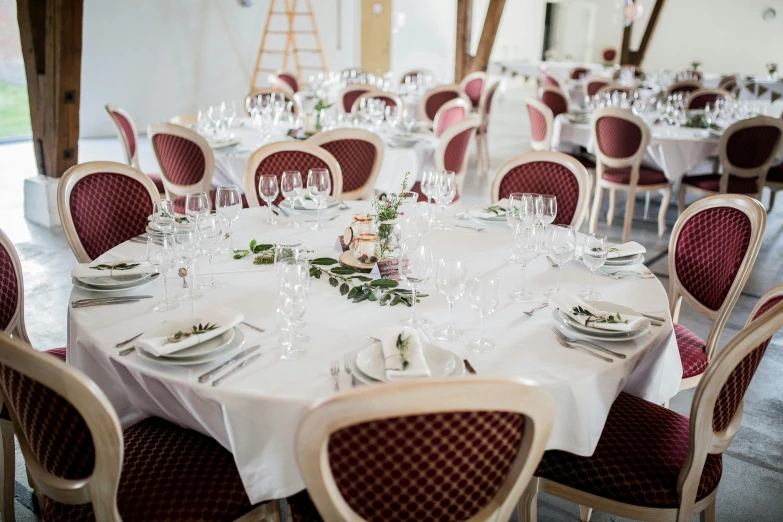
117	266
358	288
495	209
196	329
402	346
264	254
596	319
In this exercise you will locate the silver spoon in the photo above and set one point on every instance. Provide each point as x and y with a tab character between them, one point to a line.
183	273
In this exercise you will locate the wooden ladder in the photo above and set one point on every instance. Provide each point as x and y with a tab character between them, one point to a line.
290	11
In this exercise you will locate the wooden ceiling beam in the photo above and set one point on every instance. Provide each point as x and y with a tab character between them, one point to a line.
464	32
465	63
635	58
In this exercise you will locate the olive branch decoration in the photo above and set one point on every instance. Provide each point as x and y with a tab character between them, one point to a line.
117	266
196	329
402	346
596	319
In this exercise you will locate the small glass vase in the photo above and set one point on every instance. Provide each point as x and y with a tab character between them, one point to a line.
388	240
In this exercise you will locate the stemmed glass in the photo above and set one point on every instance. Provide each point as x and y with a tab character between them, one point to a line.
186	248
513	219
196	205
594	252
163	215
267	187
526	247
562	248
484	299
428	181
548	214
291	188
228	203
445	191
319	185
450	280
162	256
210	232
415	266
530	209
293	281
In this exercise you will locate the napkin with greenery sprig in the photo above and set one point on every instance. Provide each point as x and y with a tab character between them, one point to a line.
183	331
402	353
587	315
112	268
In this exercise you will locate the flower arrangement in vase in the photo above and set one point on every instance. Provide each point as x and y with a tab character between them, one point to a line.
387	211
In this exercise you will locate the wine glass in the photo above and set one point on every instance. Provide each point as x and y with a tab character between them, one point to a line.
409	120
196	205
594	252
319	185
513	219
210	232
291	188
428	180
548	215
293	283
163	258
228	203
529	209
526	247
415	266
450	279
422	213
484	299
267	187
562	248
163	215
445	191
186	247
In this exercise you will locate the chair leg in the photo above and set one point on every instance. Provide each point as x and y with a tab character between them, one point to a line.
585	513
708	515
610	211
599	192
527	508
771	199
667	196
629	205
681	200
9	467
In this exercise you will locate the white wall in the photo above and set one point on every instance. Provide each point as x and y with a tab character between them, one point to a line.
521	31
161	58
428	38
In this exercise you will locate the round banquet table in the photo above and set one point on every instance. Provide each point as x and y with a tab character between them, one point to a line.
230	161
255	413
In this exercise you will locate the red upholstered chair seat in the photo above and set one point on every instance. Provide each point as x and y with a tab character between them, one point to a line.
169	473
179	202
638	459
158	181
623	175
691	346
711	182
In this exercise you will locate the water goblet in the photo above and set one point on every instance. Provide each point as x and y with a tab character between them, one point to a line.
527	245
186	246
562	247
267	187
445	192
163	215
484	299
319	185
415	267
594	252
163	258
291	188
228	203
210	232
548	216
450	279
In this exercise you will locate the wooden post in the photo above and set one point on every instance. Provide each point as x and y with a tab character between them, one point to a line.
51	37
635	58
464	62
464	31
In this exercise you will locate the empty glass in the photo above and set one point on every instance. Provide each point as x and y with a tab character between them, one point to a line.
293	282
444	192
267	187
319	185
415	266
548	215
186	248
228	203
162	256
210	232
526	247
513	219
594	252
484	299
450	279
291	188
562	248
163	215
196	205
429	180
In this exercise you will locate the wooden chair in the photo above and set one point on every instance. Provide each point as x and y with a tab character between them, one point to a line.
284	81
453	149
102	204
547	80
484	109
656	465
579	73
254	98
12	324
593	83
682	87
185	120
359	153
555	99
85	467
451	112
473	86
389	98
774	182
126	131
612	88
701	97
712	250
436	97
186	161
352	92
275	158
494	432
729	83
547	172
621	140
542	123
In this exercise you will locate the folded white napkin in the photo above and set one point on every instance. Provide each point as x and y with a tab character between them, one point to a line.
567	302
414	355
309	204
483	212
630	248
157	341
111	268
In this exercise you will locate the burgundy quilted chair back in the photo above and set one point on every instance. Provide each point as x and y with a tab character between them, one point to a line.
278	162
577	73
181	160
733	390
456	150
545	177
701	100
609	55
108	209
728	83
432	467
290	80
473	90
594	86
555	101
127	131
548	80
616	137
449	117
356	159
537	123
709	251
9	286
490	96
751	147
437	100
350	97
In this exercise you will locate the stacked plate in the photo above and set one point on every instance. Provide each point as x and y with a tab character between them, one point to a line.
483	214
224	345
567	323
368	366
636	259
113	283
226	141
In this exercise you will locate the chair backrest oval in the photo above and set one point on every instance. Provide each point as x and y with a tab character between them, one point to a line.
451	112
351	93
252	99
437	96
502	429
620	136
729	83
748	147
699	98
11	291
549	80
184	120
389	98
683	87
126	131
578	73
593	83
102	204
186	160
289	79
541	124
552	173
554	98
276	158
485	107
359	153
473	86
453	147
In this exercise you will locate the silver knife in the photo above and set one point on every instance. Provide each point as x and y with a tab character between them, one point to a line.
115	298
102	303
243	353
654	317
236	368
280	210
597	347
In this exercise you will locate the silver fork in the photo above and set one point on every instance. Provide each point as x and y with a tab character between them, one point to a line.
347	365
581	349
560	335
539	307
335	373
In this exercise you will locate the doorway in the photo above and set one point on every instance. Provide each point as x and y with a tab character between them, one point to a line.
569	31
376	36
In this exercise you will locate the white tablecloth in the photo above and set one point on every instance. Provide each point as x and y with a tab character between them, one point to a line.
255	414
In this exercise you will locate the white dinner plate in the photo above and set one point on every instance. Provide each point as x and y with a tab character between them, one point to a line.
442	363
222	144
359	375
207	347
86	286
117	281
229	350
331	202
596	334
625	260
475	214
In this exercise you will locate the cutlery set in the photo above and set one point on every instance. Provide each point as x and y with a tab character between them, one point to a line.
101	301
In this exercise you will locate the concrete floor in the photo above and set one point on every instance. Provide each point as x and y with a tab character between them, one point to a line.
752	484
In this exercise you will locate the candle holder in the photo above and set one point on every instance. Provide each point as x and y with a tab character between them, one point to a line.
367	248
